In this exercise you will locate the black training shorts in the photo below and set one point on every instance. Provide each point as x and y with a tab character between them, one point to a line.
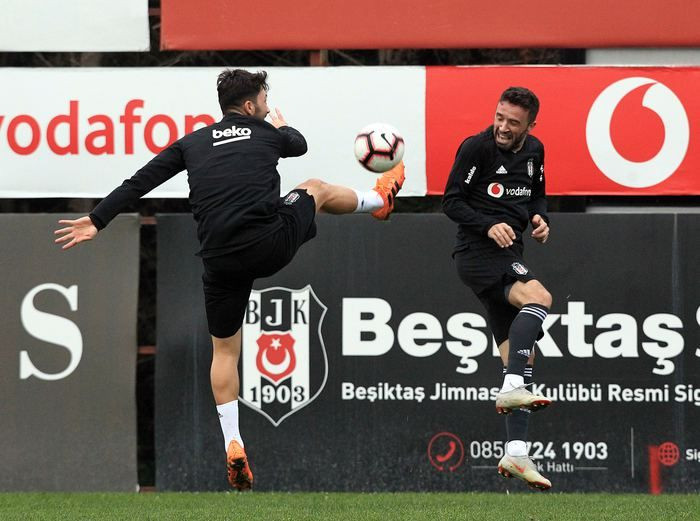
228	279
488	270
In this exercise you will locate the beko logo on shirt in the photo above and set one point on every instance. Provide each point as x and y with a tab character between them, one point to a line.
234	133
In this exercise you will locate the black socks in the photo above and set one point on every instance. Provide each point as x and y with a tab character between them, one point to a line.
517	420
523	334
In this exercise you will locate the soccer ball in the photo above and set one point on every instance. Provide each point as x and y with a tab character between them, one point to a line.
379	147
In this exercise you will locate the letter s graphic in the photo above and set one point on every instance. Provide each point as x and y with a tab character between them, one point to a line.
669	108
51	328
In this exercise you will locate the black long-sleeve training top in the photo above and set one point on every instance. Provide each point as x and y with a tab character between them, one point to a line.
488	185
233	179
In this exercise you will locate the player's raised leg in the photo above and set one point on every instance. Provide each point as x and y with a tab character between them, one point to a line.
515	460
225	386
336	199
534	302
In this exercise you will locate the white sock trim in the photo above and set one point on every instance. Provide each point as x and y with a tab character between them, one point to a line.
511	381
228	417
516	448
538	312
367	202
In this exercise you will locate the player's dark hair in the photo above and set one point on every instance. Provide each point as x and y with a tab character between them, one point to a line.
236	86
524	98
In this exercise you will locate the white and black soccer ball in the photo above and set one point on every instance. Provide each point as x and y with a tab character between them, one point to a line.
379	147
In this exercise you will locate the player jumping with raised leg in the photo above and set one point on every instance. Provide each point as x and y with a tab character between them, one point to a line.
495	188
246	231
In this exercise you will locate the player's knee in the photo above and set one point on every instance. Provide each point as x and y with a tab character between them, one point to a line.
317	189
313	186
531	293
226	347
542	297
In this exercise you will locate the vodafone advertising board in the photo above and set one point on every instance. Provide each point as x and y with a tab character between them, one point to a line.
606	130
80	132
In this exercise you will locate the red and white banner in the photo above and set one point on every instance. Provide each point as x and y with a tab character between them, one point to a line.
95	127
606	130
368	24
74	25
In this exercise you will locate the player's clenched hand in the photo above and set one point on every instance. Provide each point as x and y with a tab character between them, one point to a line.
540	230
76	231
277	119
502	234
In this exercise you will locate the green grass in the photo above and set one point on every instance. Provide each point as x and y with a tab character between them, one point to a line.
346	506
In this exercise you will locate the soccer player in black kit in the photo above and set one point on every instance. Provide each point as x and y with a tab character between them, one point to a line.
495	188
245	229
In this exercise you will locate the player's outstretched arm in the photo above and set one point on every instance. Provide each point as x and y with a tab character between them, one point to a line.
75	232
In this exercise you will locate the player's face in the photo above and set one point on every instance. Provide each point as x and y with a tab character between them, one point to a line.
261	108
511	126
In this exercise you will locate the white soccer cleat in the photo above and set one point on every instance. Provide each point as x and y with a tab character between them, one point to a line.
520	398
522	467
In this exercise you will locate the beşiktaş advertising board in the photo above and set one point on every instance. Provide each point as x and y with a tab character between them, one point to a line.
367	357
68	357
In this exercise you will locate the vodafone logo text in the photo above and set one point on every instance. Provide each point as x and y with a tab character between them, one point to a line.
638	174
497	190
73	132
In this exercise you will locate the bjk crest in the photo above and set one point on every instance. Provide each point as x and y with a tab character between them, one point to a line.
284	365
519	268
275	358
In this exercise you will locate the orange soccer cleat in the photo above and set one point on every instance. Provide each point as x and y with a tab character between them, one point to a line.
388	185
239	475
